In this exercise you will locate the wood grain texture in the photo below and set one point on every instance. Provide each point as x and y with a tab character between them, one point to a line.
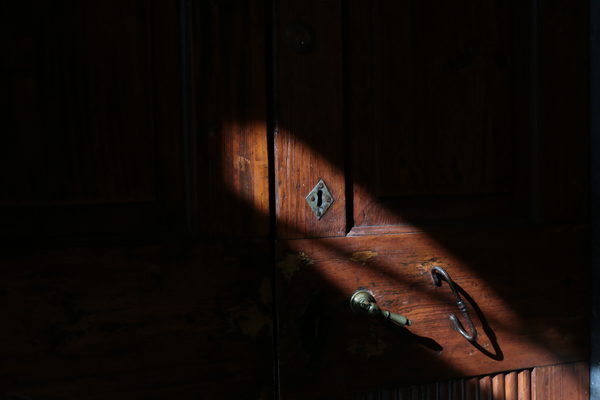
563	381
308	140
188	320
524	304
511	386
92	118
492	147
94	146
563	108
229	144
524	385
487	387
444	120
498	387
435	132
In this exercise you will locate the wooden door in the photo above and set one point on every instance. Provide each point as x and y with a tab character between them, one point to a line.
449	134
137	202
134	215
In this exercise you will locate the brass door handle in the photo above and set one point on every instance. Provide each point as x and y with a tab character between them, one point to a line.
363	302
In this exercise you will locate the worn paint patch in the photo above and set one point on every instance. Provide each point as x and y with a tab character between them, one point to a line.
292	263
425	266
363	256
242	163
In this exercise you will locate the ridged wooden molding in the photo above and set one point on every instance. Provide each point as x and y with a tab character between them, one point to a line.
556	382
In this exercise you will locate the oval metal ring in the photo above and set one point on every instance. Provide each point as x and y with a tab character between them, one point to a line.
435	274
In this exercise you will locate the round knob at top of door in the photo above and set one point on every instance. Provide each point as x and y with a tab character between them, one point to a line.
299	38
363	302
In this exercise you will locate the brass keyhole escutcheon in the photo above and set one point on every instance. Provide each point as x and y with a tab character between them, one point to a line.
320	199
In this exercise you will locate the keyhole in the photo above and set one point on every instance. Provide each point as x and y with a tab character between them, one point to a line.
319	198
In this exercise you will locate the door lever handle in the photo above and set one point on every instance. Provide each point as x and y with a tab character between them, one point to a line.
363	302
471	337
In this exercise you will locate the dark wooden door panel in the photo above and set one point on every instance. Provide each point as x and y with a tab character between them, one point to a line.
421	119
563	381
442	152
453	115
179	307
91	92
137	322
523	298
449	115
309	137
230	158
83	91
435	91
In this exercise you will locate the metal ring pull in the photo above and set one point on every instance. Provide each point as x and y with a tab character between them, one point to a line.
459	302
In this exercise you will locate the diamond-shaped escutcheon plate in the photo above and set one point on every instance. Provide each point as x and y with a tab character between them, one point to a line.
320	199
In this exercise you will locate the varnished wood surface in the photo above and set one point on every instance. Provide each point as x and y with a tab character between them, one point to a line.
228	91
186	320
526	59
567	381
445	117
93	152
517	283
92	123
563	381
94	146
524	385
448	128
564	112
309	139
436	134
